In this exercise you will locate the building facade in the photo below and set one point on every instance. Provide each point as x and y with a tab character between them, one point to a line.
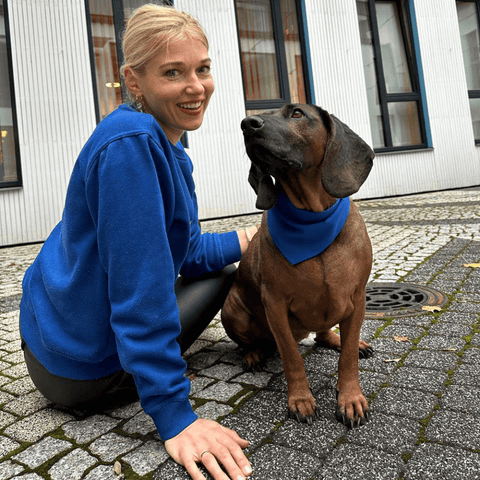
403	74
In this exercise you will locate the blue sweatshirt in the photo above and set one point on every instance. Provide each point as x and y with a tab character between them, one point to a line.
100	296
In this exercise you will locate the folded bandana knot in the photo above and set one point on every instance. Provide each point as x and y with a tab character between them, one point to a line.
302	234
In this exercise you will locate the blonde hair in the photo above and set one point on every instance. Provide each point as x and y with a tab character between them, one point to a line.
150	28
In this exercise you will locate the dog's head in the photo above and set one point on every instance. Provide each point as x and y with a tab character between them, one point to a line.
301	137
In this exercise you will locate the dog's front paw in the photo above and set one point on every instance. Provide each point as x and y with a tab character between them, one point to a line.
303	410
365	350
352	412
254	361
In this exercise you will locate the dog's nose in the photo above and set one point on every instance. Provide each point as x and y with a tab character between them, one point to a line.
252	124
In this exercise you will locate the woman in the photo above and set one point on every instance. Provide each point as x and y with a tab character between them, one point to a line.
99	301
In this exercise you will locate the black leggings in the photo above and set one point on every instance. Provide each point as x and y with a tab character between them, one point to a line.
199	300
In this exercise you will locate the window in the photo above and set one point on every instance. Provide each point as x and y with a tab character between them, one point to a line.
468	19
272	49
394	100
105	19
9	155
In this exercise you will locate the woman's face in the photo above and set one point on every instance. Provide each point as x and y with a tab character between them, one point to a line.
176	87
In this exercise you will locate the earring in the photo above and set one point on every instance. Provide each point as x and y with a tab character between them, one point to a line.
139	103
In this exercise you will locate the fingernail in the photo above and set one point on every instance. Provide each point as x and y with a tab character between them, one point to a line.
248	470
240	478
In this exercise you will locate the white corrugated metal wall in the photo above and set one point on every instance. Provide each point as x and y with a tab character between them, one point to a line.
217	149
55	111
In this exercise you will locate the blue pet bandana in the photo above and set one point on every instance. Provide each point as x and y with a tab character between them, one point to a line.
301	234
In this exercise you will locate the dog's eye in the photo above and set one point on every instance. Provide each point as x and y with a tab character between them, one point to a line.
297	113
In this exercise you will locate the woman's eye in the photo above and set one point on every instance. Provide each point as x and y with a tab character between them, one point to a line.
172	73
297	113
205	70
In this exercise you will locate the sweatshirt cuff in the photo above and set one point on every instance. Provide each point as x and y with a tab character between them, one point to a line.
172	418
230	247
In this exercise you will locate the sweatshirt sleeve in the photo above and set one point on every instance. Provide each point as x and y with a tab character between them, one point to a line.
127	191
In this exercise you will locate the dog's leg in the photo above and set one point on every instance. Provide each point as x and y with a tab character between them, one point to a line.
352	406
301	403
329	339
244	330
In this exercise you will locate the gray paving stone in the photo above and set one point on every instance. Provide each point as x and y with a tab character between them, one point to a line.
471	356
72	466
9	469
418	378
458	318
433	462
27	404
147	458
280	463
92	427
126	411
20	387
110	446
259	379
34	427
220	391
462	398
455	429
141	424
102	472
7	445
266	405
386	432
222	371
404	402
430	359
389	345
317	439
467	374
202	360
357	462
252	429
213	410
42	451
29	476
436	342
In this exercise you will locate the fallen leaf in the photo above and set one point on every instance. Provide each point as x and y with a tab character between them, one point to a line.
472	265
391	360
432	308
400	339
449	349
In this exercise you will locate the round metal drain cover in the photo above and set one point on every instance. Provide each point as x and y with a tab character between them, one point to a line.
400	299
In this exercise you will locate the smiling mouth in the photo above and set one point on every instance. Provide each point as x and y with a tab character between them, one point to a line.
192	107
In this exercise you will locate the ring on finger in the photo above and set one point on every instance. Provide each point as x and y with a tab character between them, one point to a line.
203	453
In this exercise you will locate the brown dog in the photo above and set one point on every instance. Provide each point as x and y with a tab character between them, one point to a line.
315	160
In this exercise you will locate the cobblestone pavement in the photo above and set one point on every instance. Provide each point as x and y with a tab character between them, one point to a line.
423	383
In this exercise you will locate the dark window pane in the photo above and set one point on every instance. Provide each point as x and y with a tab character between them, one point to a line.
368	54
467	19
394	56
8	160
404	123
475	110
293	51
257	45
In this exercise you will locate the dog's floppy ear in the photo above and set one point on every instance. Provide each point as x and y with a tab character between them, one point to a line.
264	188
347	160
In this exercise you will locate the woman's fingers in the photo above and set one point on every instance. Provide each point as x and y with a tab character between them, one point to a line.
208	442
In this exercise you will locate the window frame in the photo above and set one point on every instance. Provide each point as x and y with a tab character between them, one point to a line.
19	181
281	58
386	98
473	93
118	23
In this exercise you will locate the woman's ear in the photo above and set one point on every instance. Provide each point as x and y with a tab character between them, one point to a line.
131	82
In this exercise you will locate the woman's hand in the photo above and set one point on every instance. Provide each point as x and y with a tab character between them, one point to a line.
245	237
207	442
